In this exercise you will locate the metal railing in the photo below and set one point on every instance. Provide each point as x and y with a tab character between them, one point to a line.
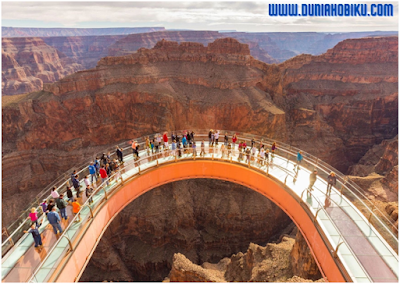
347	188
106	191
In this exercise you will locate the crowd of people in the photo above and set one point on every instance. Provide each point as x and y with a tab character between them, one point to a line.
105	167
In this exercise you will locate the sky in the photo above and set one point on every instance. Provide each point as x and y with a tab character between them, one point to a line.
210	15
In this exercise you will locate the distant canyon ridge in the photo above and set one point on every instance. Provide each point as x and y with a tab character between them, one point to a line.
32	57
337	106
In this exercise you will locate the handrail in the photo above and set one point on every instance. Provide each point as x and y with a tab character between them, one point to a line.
321	206
289	150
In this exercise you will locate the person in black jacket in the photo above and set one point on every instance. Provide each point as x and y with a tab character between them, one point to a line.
76	184
331	181
120	155
70	195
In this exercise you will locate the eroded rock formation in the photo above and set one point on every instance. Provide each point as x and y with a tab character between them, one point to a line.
205	220
258	264
27	63
335	106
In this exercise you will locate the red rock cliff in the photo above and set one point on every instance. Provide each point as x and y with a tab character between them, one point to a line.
334	110
27	63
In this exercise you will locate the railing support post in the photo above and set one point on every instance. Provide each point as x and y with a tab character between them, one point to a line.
157	163
286	179
69	242
8	235
105	193
316	214
335	255
139	167
91	212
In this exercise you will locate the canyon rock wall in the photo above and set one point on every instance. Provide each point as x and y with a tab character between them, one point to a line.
27	63
86	50
132	43
205	220
330	108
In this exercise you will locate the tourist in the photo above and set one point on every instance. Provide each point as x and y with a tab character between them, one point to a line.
54	193
73	175
244	145
92	172
248	153
261	156
299	159
188	137
97	166
86	180
173	136
133	145
216	137
103	158
179	150
313	179
108	169
103	175
33	216
75	209
253	152
202	147
120	155
212	138
209	138
192	135
184	140
331	182
54	220
152	146
267	156
194	149
34	230
173	148
44	205
62	205
89	192
165	138
226	139
273	148
156	144
76	185
253	142
70	195
222	150
229	149
50	206
159	142
234	139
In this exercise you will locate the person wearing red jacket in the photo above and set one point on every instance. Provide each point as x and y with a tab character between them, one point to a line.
165	138
234	139
103	175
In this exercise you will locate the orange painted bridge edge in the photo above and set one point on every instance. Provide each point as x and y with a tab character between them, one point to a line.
200	169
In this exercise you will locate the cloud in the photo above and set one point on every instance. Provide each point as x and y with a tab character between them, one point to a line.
246	16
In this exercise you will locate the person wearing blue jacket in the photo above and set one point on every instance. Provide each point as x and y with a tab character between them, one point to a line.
34	230
299	159
92	172
54	220
77	185
184	141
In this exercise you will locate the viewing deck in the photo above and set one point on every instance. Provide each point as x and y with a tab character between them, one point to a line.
350	239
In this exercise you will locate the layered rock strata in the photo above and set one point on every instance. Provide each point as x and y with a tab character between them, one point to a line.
27	63
335	106
203	219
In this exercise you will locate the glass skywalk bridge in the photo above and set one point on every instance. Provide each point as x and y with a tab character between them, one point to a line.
361	239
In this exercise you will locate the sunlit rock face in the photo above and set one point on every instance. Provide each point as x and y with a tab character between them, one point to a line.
335	106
